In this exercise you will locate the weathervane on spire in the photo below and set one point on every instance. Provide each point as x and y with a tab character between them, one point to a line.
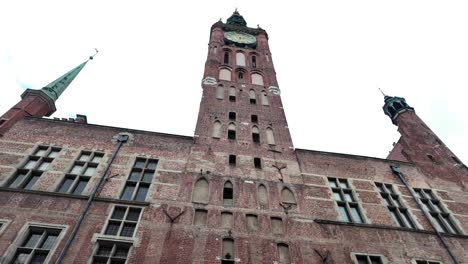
92	57
382	92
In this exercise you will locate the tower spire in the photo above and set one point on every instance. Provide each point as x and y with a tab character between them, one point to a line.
57	87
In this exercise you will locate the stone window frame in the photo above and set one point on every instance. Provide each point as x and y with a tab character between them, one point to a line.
425	261
195	210
29	174
114	243
256	224
23	234
140	182
440	216
402	216
283	229
3	224
122	221
343	202
354	256
79	177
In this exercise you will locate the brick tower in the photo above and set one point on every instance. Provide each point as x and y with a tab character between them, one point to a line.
418	144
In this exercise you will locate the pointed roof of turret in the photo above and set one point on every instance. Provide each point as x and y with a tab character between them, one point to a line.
236	19
57	87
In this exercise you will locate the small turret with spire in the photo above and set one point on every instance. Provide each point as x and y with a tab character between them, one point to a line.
39	103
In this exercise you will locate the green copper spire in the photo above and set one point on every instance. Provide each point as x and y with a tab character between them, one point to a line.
57	87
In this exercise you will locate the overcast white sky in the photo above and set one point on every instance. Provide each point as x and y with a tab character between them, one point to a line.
329	58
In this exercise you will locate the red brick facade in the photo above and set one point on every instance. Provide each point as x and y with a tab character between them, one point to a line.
282	210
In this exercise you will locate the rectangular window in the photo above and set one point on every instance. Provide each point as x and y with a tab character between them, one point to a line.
232	159
110	252
36	245
139	180
232	98
258	163
398	212
232	116
80	173
368	259
123	221
200	217
40	161
254	118
277	225
441	219
231	134
348	207
427	262
252	222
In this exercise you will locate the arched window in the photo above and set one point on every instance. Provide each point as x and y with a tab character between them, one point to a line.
270	136
287	196
228	251
225	74
264	98
240	59
220	92
216	129
201	191
231	131
228	194
257	79
283	254
226	57
253	97
255	134
254	61
262	195
232	94
240	75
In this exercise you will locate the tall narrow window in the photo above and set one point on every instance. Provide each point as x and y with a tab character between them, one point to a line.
232	94
228	194
231	131
262	194
254	61
139	180
240	75
252	222
258	163
225	74
220	92
216	129
201	191
398	211
227	251
287	196
257	79
79	175
264	98
283	253
200	217
348	208
215	50
232	160
253	97
226	220
255	134
226	57
31	171
110	252
277	225
270	136
441	219
36	245
123	221
240	59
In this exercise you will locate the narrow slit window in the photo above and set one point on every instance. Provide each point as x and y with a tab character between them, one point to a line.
257	163
228	194
255	134
252	97
232	131
232	159
226	57
254	62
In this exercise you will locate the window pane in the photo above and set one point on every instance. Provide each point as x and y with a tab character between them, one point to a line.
20	258
121	252
66	185
49	241
112	228
406	219
133	214
438	225
135	175
148	176
362	259
77	168
85	157
97	158
128	229
41	152
387	201
380	187
104	250
128	192
139	164
448	223
356	215
348	197
437	207
152	164
395	219
375	260
344	184
343	213
337	196
119	212
390	188
44	165
18	179
31	182
90	171
81	186
30	164
54	153
397	202
141	193
32	240
332	182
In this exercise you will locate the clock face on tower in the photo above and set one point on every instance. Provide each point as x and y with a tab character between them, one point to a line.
240	38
